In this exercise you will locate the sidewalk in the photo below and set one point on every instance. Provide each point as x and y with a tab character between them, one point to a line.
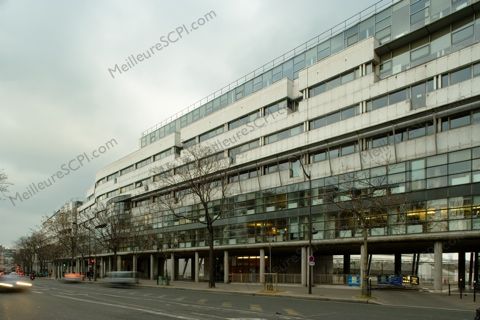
393	297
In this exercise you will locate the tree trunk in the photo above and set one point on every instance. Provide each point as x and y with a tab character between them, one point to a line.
364	258
114	262
211	259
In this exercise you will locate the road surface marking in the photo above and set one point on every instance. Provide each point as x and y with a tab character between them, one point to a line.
34	291
202	301
291	312
179	299
227	304
161	297
256	307
121	306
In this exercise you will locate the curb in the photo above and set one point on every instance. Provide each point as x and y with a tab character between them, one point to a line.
268	294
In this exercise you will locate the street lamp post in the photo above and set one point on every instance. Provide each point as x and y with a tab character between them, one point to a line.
310	229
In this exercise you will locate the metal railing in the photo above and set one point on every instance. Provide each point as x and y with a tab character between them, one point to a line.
342	26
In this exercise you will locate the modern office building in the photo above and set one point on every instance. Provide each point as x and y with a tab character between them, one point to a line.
391	94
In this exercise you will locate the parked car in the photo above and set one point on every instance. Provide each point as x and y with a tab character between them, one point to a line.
14	282
121	278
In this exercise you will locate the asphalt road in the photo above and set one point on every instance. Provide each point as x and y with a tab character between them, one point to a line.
50	299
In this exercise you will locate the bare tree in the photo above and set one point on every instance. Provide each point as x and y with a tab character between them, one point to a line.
364	201
111	227
200	178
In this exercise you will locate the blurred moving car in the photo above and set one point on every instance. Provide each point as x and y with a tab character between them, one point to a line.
72	277
14	282
121	278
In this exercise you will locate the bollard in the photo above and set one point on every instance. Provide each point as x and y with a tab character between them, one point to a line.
449	292
477	314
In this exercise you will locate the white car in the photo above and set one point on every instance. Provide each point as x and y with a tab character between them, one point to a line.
13	281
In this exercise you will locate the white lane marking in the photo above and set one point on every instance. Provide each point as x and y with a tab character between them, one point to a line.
158	313
206	316
34	291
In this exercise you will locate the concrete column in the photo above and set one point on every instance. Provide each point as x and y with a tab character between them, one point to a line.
171	272
398	264
152	263
303	259
226	267
134	263
119	263
461	269
346	264
475	267
196	264
437	275
262	265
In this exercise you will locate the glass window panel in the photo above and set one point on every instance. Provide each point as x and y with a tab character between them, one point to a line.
476	152
441	41
400	60
277	73
417	164
437	171
248	87
462	35
383	35
383	24
419	18
349	112
416	132
459	121
439	8
288	69
267	78
437	160
318	123
333	83
337	43
397	168
457	179
332	118
460	75
365	28
397	96
348	77
459	167
445	78
379	102
418	5
334	153
323	50
318	156
418	174
458	156
349	149
476	70
418	95
419	53
437	182
311	56
400	23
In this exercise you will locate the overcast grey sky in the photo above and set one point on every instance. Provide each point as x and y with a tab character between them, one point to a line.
58	100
